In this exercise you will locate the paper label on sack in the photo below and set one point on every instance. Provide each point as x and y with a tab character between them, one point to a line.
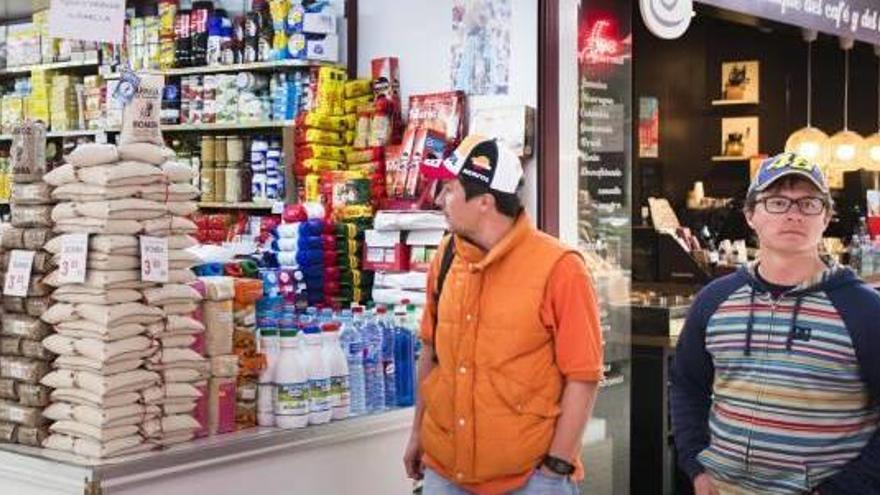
87	20
154	259
18	273
74	256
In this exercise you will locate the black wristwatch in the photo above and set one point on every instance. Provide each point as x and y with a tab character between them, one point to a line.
558	466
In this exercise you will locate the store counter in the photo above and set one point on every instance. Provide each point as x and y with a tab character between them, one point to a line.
257	461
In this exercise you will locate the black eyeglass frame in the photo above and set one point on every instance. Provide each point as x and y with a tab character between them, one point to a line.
801	202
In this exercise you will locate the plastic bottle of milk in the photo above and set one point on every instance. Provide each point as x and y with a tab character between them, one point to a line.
340	388
319	377
270	347
291	385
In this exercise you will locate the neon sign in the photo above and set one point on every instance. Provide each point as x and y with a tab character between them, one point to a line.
601	47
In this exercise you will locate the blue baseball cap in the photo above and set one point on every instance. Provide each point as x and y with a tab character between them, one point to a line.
785	164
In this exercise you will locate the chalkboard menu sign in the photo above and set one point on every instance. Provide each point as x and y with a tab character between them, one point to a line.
604	123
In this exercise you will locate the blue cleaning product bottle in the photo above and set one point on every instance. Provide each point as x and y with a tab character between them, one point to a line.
404	358
374	376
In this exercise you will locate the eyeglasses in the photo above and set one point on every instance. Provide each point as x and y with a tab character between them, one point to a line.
809	205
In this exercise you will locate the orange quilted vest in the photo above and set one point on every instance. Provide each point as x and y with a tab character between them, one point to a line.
491	403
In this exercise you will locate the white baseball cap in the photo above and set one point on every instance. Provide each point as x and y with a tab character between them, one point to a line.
482	160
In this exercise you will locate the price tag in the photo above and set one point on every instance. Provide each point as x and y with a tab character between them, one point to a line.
74	256
154	259
18	273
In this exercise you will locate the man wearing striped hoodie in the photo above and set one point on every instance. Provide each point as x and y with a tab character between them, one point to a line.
776	377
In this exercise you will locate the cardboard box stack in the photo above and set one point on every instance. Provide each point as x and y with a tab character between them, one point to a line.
400	249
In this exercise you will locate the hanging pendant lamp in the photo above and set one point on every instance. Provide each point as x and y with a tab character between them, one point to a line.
844	145
809	142
871	147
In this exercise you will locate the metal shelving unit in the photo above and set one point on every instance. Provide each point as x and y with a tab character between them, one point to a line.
61	134
237	206
219	69
12	71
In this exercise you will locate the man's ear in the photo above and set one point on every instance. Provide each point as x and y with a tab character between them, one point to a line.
749	213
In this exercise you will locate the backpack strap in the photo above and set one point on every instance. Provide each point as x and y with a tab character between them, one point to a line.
445	264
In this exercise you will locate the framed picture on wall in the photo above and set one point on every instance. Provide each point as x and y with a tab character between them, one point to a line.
739	137
740	81
649	127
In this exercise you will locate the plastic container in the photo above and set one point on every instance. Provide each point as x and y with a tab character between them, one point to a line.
388	368
319	377
291	385
352	345
374	376
270	346
340	390
404	358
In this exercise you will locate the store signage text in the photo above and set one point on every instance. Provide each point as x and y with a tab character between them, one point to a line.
89	20
848	18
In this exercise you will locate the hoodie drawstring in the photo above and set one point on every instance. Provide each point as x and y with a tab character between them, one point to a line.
791	331
751	321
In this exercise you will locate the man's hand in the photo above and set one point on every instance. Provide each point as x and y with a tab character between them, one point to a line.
412	457
704	485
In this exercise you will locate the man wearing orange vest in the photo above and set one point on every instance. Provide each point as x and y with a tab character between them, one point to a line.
513	352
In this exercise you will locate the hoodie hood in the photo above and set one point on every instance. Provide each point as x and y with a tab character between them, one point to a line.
832	278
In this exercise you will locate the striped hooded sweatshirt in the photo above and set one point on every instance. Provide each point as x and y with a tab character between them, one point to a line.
780	396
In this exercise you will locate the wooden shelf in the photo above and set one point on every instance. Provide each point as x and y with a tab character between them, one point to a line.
236	126
218	69
237	206
724	158
60	134
53	66
721	103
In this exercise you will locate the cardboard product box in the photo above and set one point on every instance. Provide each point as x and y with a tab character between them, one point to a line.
325	49
37	108
93	81
385	251
423	246
320	22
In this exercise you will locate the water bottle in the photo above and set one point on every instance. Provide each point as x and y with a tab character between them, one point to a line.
352	344
374	376
387	355
326	316
404	365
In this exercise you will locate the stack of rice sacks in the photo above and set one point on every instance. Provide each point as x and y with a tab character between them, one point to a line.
23	360
120	378
101	336
217	311
178	363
